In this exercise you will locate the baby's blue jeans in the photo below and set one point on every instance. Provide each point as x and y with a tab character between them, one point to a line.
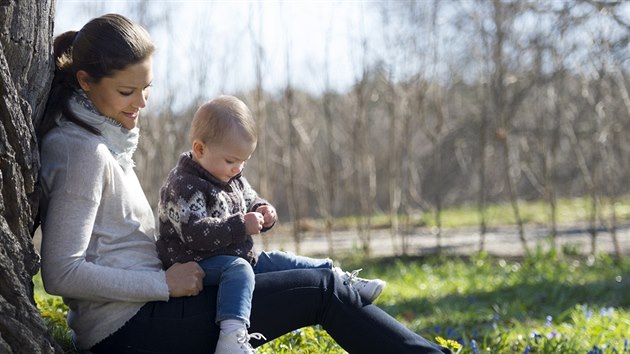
235	278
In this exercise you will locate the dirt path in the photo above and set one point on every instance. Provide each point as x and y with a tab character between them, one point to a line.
503	241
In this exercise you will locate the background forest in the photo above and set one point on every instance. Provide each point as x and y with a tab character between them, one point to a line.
448	103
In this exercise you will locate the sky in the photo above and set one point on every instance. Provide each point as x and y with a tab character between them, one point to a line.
207	47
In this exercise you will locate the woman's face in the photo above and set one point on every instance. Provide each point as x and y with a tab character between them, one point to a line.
122	95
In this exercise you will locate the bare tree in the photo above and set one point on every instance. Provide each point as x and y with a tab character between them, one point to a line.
506	92
361	162
326	172
290	154
596	92
394	101
625	113
540	141
263	161
434	130
404	38
364	176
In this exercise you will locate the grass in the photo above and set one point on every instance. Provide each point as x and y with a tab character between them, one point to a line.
569	212
546	303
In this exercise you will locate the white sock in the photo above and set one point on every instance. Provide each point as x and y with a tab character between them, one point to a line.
229	326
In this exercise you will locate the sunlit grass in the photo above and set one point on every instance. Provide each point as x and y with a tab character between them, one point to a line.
54	312
546	303
569	212
507	306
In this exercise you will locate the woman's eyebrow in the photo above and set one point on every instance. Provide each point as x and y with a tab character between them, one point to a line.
126	86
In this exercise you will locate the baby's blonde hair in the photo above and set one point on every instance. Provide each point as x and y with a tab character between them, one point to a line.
225	117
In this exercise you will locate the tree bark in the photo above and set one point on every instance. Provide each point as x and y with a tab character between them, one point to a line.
26	29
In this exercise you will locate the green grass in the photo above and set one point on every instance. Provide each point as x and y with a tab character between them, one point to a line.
569	212
546	303
54	312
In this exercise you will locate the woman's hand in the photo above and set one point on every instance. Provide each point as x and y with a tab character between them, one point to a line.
184	279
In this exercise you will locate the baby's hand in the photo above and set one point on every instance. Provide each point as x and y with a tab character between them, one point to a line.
253	223
269	215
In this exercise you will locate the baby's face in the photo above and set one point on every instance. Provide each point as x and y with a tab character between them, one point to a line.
224	161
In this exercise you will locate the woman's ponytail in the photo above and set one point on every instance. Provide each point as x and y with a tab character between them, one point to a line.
63	85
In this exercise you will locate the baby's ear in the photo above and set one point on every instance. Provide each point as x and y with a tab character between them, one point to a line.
198	148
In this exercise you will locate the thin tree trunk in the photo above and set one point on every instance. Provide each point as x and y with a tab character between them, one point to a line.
262	160
394	161
509	181
289	161
501	106
481	201
329	188
588	180
362	189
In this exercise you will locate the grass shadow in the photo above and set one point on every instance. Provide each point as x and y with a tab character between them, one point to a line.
522	291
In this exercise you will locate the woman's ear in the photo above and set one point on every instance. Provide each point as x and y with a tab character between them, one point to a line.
197	148
84	80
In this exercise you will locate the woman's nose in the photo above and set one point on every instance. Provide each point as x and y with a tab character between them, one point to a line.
140	101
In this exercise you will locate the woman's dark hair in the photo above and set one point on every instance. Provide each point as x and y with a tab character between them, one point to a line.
103	46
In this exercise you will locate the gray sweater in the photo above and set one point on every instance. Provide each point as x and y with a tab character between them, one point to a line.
98	245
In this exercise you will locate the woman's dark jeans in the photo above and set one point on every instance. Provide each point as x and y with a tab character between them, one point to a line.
283	301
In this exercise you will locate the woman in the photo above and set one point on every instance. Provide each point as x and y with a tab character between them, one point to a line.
98	246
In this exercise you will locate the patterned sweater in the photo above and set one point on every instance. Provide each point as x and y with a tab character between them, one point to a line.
201	216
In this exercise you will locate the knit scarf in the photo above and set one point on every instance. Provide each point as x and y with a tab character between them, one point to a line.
120	141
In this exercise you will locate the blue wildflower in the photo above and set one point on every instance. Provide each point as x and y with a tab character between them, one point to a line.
473	346
607	311
596	350
548	322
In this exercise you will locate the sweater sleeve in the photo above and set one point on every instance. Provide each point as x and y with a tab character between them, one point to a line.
66	269
252	200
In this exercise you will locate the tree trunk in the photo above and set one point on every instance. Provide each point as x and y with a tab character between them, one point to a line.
26	29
